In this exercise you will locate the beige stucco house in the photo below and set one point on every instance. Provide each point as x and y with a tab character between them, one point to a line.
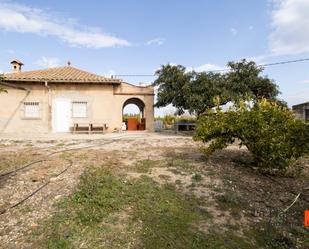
56	99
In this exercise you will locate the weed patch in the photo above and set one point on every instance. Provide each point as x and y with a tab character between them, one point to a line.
197	177
270	237
165	216
144	166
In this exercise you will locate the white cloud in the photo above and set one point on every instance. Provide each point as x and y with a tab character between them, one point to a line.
261	59
234	31
48	62
109	73
23	19
202	68
208	67
157	41
290	21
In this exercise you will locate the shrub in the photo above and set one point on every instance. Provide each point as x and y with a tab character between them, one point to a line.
125	117
169	119
270	132
1	88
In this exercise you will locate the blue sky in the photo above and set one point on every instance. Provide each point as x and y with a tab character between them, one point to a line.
136	37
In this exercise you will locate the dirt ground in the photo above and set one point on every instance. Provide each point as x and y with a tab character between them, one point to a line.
237	197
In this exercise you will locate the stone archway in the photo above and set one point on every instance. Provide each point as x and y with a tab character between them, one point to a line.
135	122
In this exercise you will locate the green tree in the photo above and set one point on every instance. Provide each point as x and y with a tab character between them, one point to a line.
202	89
172	82
269	131
195	91
244	80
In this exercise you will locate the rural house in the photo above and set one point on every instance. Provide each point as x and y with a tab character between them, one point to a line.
65	99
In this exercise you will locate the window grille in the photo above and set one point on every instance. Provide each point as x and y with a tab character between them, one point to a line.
79	109
31	110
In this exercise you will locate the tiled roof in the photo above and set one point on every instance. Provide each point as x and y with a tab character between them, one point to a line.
67	74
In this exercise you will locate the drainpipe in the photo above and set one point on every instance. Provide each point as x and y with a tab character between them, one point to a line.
49	93
49	105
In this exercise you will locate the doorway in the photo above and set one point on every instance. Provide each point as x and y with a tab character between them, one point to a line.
133	117
61	113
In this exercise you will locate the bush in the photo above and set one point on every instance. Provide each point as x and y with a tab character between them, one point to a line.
1	88
169	120
270	132
125	117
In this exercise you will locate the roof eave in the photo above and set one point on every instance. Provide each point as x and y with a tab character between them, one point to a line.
300	105
61	81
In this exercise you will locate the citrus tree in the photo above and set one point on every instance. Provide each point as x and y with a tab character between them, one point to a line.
269	131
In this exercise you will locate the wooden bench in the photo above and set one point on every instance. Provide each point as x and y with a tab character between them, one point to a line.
89	128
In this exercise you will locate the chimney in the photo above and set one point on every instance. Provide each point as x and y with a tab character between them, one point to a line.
16	65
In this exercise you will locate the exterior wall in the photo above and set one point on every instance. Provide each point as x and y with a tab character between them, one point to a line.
12	110
105	105
300	111
101	102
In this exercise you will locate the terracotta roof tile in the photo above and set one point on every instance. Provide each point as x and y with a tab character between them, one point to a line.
66	74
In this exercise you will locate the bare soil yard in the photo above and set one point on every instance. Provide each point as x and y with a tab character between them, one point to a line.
145	191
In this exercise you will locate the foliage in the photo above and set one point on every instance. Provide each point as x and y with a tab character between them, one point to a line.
195	91
170	119
172	81
244	80
126	116
269	131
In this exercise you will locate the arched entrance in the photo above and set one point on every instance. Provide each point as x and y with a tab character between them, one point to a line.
133	114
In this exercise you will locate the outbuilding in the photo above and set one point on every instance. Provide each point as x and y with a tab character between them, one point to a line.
301	111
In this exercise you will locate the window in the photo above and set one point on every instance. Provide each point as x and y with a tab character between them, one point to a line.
31	110
79	109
